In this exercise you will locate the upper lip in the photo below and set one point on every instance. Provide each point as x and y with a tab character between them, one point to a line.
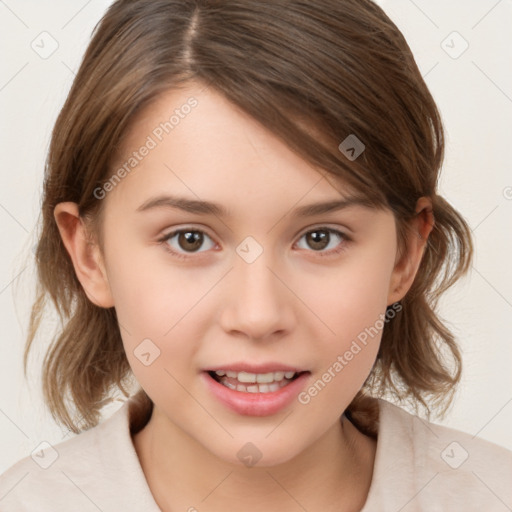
255	368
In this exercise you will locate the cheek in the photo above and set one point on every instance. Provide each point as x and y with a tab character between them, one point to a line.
160	329
151	294
352	305
164	312
352	296
345	359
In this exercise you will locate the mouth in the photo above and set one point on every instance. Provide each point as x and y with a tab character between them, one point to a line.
252	390
247	382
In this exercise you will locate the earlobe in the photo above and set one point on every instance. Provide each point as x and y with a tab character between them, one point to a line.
84	253
406	267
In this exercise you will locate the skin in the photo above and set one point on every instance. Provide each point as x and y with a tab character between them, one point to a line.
291	305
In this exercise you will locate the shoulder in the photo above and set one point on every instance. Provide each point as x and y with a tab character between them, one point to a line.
97	469
420	465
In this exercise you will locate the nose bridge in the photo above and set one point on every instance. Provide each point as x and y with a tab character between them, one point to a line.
257	304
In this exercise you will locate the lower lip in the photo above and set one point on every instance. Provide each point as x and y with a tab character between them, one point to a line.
256	404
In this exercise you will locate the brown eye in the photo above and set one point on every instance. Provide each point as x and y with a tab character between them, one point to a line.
184	241
190	240
320	239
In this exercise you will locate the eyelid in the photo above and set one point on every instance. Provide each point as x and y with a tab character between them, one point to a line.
327	226
344	228
187	227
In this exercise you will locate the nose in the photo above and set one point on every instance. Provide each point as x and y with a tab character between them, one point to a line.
257	302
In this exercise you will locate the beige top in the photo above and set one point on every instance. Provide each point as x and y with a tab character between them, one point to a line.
418	466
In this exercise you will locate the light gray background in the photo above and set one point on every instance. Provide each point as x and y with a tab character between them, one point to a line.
474	95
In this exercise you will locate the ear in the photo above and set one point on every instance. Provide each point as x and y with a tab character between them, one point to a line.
408	262
84	253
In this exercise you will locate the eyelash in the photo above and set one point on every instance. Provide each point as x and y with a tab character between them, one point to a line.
341	247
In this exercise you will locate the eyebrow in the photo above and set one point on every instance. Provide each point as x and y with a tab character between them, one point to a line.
209	208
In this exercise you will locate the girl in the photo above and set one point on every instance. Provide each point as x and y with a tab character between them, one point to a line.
240	211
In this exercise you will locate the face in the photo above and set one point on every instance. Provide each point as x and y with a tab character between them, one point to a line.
258	288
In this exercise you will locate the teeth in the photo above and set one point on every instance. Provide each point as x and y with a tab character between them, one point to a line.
266	378
246	377
253	378
256	388
280	375
255	382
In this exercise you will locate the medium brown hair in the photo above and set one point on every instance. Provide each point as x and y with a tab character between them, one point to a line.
312	72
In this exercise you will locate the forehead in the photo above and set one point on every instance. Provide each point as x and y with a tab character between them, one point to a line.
193	140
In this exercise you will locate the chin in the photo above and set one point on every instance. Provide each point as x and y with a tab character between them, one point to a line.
256	451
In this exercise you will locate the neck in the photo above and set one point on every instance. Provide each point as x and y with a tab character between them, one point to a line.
334	473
